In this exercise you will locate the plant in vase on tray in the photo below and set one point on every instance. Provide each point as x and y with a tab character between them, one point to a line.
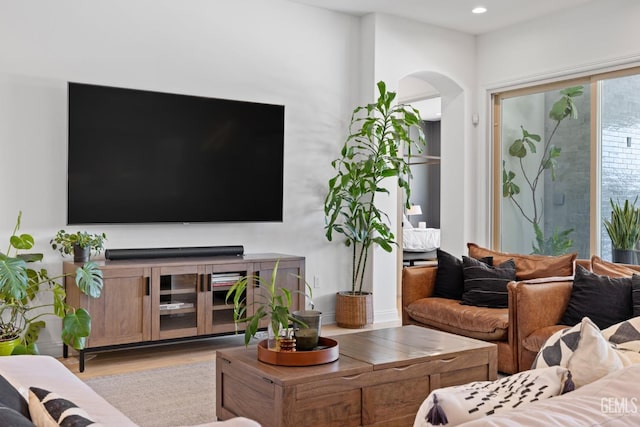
273	303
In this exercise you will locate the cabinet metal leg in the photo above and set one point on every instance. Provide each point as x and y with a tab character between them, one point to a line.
81	357
65	351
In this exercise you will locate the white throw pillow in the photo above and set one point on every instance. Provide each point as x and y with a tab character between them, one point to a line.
583	350
478	399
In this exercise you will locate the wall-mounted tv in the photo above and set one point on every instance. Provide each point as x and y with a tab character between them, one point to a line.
138	156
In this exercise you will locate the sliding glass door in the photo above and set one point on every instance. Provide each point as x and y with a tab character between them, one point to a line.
620	147
562	153
544	154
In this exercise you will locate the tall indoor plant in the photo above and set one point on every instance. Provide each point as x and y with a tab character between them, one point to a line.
22	288
624	231
531	173
372	152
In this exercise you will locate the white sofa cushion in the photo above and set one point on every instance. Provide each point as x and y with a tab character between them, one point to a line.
48	373
479	399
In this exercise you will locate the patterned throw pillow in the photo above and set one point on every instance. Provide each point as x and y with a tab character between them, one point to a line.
459	404
486	286
583	350
625	335
449	279
50	410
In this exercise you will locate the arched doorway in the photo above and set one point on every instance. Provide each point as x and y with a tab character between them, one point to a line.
453	133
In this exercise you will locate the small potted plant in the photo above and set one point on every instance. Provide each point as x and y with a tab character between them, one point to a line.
273	304
81	244
22	305
624	231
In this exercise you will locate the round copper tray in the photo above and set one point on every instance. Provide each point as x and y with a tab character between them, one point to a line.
328	352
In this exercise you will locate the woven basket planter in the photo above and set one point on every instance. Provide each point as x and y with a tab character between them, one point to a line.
354	311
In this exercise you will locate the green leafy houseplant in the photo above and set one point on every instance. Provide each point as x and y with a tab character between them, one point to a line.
564	108
21	296
67	242
371	153
624	226
273	303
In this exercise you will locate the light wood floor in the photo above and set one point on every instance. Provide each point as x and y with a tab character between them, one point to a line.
138	359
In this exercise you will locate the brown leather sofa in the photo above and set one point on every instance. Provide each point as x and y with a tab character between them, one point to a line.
534	309
495	325
487	324
539	307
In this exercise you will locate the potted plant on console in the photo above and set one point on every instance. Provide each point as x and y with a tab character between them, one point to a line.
23	297
372	152
80	244
624	231
272	304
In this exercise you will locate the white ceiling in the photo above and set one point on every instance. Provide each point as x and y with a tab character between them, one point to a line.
454	14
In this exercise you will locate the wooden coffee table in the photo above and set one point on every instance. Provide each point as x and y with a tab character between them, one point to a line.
381	378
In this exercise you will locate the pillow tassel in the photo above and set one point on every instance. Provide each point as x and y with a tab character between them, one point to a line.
568	384
436	415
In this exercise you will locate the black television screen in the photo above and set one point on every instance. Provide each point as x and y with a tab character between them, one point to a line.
147	157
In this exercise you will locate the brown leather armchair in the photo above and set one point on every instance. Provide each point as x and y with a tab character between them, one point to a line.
489	324
537	309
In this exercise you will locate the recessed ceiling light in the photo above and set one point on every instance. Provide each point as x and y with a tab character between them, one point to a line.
479	9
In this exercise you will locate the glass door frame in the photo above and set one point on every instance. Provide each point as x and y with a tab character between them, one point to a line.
595	220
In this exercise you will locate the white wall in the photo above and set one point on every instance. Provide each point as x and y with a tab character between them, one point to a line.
446	60
599	36
268	51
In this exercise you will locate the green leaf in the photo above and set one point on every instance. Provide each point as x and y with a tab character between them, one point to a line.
59	305
76	327
21	349
13	277
573	91
528	135
89	279
517	149
23	242
33	332
30	257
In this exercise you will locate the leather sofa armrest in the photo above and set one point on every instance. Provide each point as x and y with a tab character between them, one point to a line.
417	282
539	305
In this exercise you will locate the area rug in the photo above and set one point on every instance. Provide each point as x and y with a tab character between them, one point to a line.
180	395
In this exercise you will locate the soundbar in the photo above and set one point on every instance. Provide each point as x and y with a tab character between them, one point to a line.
148	253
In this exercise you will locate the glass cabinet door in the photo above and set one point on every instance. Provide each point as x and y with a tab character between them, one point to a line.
176	302
220	278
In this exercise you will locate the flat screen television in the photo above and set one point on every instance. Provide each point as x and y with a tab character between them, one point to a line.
138	156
